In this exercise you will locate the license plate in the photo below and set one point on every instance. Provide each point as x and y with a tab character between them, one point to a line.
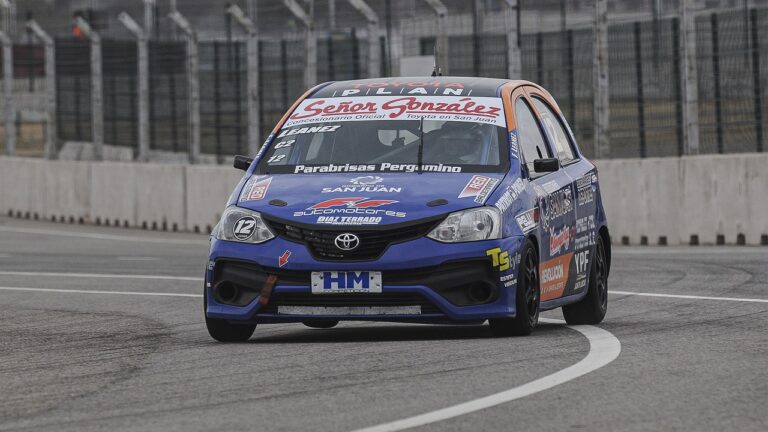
341	282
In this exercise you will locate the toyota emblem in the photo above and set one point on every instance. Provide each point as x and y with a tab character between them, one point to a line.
347	241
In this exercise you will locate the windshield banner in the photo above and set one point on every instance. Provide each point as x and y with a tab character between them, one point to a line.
486	110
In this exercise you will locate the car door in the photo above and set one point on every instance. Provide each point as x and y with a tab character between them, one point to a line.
584	180
555	201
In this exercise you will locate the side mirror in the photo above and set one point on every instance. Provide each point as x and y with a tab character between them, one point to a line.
242	162
546	165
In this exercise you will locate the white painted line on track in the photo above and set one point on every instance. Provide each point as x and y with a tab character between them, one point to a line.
603	349
690	297
68	291
688	250
101	276
97	236
129	258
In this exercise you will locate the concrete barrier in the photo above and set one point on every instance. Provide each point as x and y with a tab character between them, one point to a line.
713	198
208	189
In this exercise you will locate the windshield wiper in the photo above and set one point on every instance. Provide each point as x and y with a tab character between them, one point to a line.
421	145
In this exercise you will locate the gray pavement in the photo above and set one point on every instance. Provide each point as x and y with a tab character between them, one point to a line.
82	362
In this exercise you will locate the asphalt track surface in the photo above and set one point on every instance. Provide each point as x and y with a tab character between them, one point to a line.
101	329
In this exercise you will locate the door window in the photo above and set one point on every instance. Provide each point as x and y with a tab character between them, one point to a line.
531	141
556	132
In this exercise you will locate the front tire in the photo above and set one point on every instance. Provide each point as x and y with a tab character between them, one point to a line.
592	308
527	298
224	331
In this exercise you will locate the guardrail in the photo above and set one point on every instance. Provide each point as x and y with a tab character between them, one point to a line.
714	199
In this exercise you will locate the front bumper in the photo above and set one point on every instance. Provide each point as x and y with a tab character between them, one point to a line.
423	281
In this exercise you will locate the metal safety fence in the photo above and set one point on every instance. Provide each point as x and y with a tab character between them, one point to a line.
645	64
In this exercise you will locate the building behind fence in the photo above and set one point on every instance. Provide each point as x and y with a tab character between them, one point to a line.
556	50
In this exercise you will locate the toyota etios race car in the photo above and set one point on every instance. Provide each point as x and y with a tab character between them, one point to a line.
450	200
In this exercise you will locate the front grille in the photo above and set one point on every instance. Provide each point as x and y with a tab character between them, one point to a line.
350	300
373	243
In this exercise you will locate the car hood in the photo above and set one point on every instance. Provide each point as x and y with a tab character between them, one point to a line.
364	200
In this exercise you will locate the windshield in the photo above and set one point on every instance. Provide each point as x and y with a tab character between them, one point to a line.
368	140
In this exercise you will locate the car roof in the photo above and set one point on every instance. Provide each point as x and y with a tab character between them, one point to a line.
426	86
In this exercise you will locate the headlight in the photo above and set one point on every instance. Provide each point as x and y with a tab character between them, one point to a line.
241	225
482	223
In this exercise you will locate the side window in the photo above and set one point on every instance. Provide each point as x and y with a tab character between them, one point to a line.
531	140
556	131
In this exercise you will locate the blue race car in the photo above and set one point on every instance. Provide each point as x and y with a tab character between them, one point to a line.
438	200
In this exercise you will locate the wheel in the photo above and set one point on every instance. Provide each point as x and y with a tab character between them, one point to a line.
223	331
591	309
321	324
527	298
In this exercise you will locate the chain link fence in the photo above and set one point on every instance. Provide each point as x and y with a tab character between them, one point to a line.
556	42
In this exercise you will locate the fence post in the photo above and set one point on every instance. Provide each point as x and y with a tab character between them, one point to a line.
307	18
97	91
602	96
514	63
10	25
252	52
142	43
718	88
677	79
640	93
690	83
442	40
757	85
10	106
477	26
374	55
193	84
50	87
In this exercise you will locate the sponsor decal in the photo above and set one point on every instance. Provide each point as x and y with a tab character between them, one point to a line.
479	187
308	130
366	180
580	284
210	265
392	88
560	241
349	220
385	167
282	260
527	220
510	195
367	184
508	280
582	261
244	227
263	147
585	224
585	231
550	186
351	206
556	205
513	144
255	189
585	190
486	110
584	241
554	275
501	259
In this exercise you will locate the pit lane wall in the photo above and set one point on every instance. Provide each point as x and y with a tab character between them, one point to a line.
700	199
